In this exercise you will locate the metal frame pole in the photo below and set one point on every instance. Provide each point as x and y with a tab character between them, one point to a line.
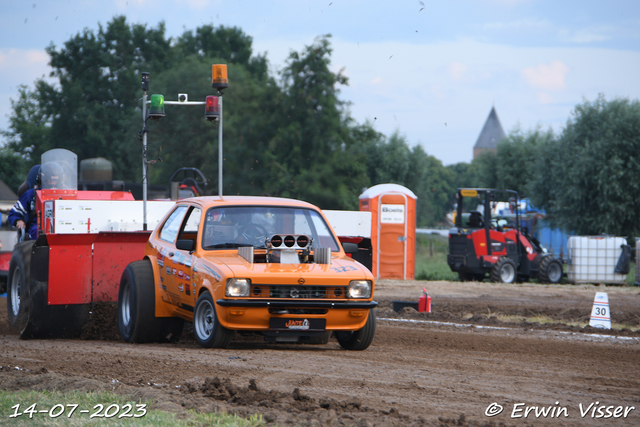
144	162
220	148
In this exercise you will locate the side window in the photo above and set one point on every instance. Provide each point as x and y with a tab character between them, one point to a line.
192	223
171	226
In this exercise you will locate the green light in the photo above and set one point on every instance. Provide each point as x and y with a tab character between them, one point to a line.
157	106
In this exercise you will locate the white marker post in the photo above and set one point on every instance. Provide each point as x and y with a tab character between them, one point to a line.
600	313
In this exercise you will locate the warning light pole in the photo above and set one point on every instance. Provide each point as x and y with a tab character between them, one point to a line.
219	82
212	112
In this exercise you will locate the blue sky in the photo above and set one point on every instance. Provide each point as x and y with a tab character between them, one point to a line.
430	69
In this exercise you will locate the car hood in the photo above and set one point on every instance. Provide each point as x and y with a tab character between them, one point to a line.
340	271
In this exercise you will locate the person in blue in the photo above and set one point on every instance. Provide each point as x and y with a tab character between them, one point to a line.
31	180
23	215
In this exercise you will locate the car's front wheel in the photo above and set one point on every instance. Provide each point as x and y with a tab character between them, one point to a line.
360	339
208	330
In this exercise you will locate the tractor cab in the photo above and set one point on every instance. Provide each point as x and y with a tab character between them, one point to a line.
487	239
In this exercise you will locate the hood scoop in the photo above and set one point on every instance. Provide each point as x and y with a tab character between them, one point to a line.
294	249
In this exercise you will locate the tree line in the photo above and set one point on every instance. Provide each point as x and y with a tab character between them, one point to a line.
289	134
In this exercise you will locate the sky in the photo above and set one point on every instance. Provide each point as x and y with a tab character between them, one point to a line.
428	69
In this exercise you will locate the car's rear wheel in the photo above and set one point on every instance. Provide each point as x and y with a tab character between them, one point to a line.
206	327
504	271
137	321
360	339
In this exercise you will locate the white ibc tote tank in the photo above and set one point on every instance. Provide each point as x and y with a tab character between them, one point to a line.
593	259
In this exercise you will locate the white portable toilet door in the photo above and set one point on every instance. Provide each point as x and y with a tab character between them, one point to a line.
392	235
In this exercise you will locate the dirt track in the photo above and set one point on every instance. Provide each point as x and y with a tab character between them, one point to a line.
415	373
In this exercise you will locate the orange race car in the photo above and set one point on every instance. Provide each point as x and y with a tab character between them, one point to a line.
260	265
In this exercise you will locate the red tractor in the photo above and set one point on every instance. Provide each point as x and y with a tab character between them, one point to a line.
481	244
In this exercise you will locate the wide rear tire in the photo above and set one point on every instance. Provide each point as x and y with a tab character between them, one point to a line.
137	321
18	281
206	326
360	339
550	270
504	271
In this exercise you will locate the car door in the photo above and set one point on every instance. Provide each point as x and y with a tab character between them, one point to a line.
183	260
166	253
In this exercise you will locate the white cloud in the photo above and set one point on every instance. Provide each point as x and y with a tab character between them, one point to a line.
545	99
19	59
590	35
457	70
547	77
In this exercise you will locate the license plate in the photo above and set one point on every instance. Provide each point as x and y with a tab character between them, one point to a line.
284	324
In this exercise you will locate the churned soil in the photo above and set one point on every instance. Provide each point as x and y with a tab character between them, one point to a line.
478	350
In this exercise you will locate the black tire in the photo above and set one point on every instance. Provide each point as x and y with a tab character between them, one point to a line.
360	339
504	271
550	270
18	295
206	327
137	321
28	310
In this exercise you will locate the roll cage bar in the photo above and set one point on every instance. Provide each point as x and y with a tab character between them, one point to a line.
489	195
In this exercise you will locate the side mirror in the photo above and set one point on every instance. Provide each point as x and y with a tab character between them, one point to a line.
350	248
185	245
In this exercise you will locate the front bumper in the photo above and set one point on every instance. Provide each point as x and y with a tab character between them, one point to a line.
258	315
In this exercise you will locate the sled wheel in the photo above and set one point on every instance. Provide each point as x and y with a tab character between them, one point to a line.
550	270
18	301
208	330
360	339
504	271
137	321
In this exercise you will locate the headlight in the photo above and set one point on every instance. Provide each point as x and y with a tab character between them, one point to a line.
238	288
359	289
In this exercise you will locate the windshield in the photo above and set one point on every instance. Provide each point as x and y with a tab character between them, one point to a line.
232	227
59	170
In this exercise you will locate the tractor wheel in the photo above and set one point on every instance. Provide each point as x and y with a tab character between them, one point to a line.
504	271
208	330
18	301
550	270
360	339
137	321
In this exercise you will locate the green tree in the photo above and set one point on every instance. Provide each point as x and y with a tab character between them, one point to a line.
94	108
516	159
12	168
222	42
312	154
391	160
591	184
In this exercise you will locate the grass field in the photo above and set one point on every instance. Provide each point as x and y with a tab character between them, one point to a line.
431	260
105	409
